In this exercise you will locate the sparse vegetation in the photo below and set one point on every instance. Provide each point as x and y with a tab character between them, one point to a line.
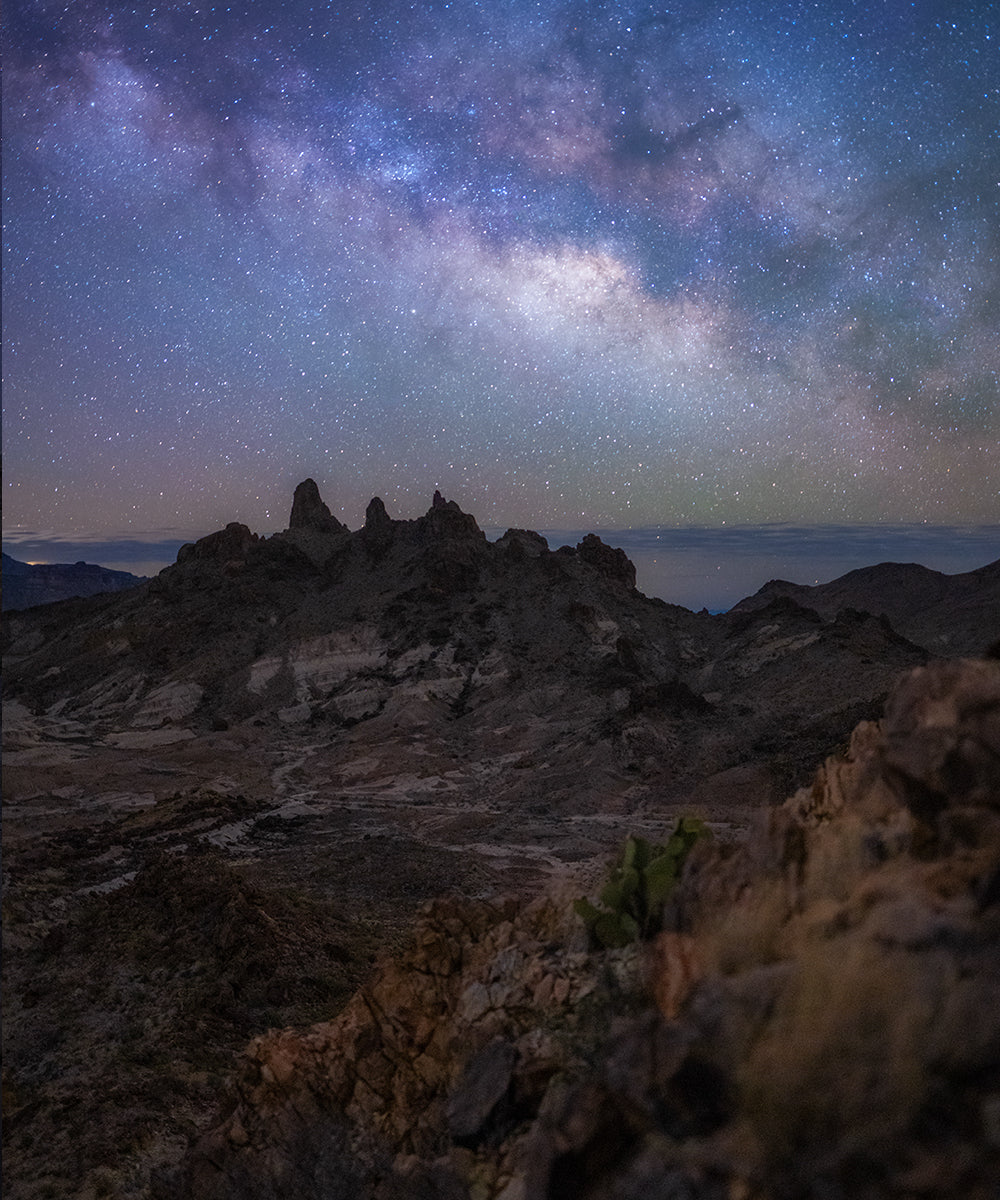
638	887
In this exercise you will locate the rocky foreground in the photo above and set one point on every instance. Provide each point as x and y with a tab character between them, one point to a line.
820	1019
348	785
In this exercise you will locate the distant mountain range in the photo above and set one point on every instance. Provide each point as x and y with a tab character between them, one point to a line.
947	614
26	585
426	623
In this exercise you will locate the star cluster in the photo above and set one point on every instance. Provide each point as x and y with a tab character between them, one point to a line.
575	264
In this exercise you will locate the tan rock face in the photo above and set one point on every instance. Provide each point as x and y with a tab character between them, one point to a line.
452	1045
942	730
824	1022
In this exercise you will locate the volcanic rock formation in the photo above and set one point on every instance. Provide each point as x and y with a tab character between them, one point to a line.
426	622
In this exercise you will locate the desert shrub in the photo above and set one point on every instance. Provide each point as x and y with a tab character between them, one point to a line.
638	887
840	1071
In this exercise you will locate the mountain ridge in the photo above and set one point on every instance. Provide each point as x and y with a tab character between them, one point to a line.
921	603
425	622
26	585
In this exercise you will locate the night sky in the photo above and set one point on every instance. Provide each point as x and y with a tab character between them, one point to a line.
577	265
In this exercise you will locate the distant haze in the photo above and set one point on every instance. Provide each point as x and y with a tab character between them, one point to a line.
694	567
715	568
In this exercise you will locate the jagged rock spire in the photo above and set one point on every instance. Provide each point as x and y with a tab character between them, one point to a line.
378	530
445	519
309	511
376	518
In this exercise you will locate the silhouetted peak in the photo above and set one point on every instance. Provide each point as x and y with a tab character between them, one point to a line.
439	503
523	543
309	511
446	519
376	518
379	528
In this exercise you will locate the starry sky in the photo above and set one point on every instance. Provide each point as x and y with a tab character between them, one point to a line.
577	265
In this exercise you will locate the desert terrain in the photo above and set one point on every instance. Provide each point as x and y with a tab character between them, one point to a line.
263	790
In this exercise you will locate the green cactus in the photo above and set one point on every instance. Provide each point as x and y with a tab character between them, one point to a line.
639	885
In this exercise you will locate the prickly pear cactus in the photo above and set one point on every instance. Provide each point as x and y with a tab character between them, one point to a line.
639	885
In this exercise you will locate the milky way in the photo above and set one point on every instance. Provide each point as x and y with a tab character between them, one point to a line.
576	265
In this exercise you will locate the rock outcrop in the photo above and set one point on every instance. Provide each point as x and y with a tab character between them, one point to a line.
377	530
313	534
229	547
822	1021
610	560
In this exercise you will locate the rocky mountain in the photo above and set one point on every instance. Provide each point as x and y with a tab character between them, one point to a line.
229	791
27	584
947	614
423	629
